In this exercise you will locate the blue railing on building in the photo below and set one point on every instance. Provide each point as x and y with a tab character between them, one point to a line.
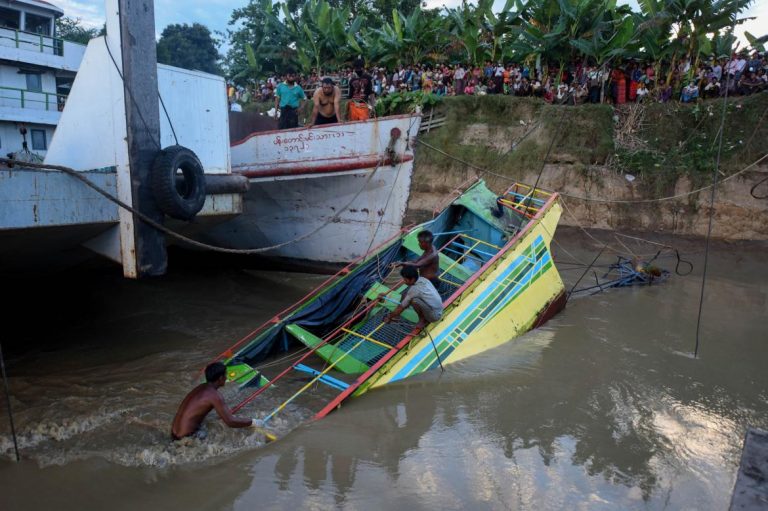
49	101
31	41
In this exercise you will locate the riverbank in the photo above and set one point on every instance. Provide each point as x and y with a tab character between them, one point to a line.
635	153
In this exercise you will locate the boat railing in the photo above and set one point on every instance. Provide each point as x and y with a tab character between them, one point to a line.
276	319
337	401
355	318
347	340
524	199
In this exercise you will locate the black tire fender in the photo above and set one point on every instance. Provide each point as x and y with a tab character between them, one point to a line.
178	196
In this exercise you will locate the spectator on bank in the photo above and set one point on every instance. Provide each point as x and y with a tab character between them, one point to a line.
642	92
690	92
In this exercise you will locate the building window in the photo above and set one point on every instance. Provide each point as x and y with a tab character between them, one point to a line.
39	142
9	18
34	82
37	24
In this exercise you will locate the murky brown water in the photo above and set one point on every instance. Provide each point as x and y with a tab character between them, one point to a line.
604	408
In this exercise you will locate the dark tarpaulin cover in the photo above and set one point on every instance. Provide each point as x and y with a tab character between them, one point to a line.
324	314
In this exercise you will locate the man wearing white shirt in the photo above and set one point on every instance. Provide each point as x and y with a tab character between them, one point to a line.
458	77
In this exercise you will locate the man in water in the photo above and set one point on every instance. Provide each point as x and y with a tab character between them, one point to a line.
429	262
422	296
326	100
204	398
289	97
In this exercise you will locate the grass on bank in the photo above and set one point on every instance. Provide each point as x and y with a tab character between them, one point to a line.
677	140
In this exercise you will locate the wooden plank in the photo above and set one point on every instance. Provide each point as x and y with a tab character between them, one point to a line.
139	56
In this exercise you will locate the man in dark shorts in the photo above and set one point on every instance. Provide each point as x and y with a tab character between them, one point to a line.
289	98
429	262
201	400
326	102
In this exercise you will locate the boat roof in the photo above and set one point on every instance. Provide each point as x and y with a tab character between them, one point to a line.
43	5
479	199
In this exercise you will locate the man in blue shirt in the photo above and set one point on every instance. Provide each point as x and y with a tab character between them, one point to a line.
289	97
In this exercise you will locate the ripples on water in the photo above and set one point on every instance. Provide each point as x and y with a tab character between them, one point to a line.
603	408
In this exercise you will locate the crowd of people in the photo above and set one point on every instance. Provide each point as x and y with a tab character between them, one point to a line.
630	81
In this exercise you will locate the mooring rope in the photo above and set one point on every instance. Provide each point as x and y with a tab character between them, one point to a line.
594	199
715	172
180	237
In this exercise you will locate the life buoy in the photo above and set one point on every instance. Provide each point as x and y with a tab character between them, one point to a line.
178	182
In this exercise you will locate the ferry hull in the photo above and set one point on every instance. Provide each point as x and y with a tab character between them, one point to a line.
323	195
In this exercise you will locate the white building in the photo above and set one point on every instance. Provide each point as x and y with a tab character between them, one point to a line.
36	71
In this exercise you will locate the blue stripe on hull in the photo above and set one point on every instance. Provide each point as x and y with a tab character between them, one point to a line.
452	336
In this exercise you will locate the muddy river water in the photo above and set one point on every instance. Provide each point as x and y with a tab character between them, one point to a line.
603	408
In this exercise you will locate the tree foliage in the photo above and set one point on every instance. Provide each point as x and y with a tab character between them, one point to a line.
326	34
72	29
189	47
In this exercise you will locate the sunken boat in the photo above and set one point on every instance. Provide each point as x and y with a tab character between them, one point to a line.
497	280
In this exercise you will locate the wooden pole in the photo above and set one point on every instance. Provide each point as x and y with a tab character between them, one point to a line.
8	399
142	113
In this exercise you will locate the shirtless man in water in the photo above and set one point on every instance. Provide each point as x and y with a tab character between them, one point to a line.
326	101
429	262
204	398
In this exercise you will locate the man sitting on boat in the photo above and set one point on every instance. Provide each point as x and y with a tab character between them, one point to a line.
429	262
360	94
326	102
421	295
289	97
200	401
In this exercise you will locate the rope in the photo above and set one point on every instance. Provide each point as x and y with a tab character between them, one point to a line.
590	199
130	94
180	237
711	212
752	190
543	165
589	235
680	260
568	297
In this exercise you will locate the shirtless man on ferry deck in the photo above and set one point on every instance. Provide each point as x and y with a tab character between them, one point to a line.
326	103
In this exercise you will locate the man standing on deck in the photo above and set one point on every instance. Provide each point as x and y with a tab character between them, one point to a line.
360	94
326	101
289	97
429	262
204	398
422	296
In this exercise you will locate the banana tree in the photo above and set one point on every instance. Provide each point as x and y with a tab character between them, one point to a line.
501	27
319	34
694	20
407	40
756	43
465	24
